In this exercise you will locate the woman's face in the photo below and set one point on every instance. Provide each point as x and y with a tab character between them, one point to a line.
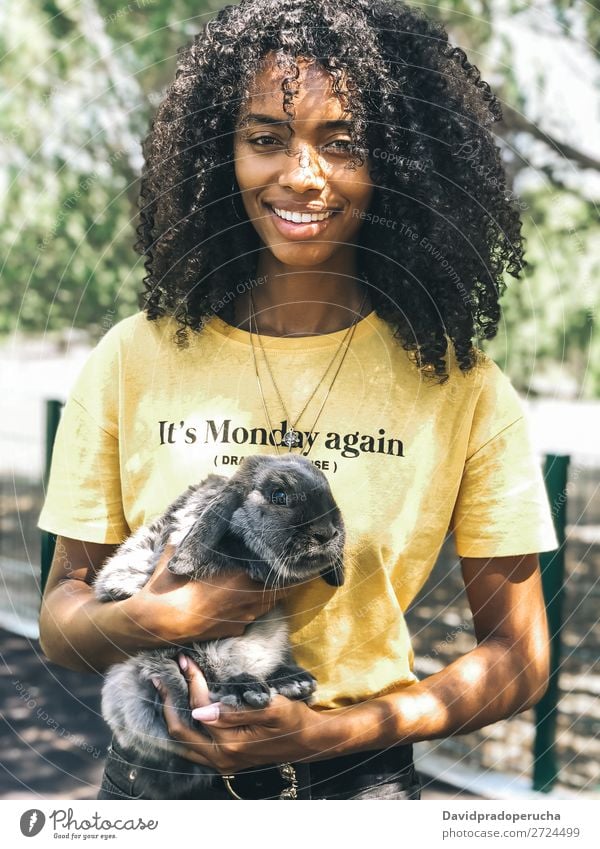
270	180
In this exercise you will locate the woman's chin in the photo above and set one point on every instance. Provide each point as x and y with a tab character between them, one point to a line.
300	254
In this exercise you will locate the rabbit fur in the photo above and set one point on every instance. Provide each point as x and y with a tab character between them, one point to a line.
275	518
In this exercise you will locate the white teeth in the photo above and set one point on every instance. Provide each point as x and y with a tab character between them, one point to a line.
301	217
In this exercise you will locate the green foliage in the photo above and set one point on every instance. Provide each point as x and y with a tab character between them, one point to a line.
549	333
81	81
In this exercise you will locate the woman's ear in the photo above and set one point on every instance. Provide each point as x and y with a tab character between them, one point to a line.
200	547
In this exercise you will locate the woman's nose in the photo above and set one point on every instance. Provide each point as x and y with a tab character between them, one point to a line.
301	178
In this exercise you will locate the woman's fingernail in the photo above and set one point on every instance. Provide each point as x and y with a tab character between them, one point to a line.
156	683
206	713
183	664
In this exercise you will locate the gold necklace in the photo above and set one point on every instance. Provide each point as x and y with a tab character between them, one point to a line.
291	438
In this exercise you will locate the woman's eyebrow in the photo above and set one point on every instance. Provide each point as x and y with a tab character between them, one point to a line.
260	118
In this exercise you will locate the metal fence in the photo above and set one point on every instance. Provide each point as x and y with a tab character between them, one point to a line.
556	739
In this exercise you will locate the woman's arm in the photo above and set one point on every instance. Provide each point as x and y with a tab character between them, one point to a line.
74	627
506	673
82	633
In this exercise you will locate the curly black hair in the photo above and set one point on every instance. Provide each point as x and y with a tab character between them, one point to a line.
420	112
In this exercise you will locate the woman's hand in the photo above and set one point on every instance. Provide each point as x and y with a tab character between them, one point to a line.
237	739
181	610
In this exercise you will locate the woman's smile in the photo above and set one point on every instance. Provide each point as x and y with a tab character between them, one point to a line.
299	225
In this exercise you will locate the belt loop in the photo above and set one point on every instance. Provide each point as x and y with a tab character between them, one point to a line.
304	780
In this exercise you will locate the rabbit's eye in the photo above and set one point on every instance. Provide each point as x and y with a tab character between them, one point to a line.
278	496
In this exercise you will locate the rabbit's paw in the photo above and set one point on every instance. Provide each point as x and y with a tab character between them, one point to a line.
243	690
293	682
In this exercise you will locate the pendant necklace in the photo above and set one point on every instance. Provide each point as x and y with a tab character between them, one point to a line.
291	438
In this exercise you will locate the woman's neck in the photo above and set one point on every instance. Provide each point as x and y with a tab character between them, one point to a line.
301	301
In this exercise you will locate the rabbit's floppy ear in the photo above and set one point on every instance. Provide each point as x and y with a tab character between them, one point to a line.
200	546
334	576
251	463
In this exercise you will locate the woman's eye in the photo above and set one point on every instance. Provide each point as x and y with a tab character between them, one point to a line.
263	141
278	496
340	145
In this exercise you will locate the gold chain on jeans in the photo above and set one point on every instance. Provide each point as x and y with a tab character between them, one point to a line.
286	770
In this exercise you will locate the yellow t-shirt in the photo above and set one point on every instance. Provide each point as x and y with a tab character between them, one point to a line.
407	461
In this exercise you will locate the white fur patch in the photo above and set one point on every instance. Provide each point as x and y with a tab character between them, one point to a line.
259	651
256	497
176	536
128	569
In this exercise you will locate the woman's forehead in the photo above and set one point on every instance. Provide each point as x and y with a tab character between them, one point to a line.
315	95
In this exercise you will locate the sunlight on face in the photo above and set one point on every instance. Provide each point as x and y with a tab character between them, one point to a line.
312	180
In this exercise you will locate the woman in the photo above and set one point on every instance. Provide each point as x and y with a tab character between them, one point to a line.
325	229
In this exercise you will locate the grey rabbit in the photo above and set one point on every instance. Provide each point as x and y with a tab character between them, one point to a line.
276	519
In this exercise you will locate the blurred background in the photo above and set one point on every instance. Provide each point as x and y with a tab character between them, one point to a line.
80	82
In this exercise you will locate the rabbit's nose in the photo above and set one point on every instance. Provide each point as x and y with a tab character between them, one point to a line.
323	536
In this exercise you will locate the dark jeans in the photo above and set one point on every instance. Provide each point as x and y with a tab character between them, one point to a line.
382	774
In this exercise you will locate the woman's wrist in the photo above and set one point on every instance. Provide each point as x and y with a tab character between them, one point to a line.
152	623
356	728
141	624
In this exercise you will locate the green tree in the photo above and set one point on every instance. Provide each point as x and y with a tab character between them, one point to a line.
81	81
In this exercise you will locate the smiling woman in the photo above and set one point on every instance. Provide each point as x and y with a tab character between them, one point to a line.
279	316
294	180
